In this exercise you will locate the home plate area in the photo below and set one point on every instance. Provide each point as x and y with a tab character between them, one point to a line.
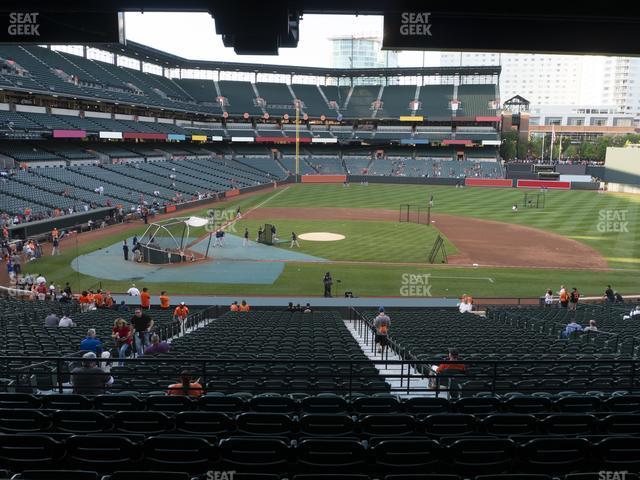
321	237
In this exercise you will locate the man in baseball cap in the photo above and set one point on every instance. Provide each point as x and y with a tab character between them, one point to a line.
180	315
89	379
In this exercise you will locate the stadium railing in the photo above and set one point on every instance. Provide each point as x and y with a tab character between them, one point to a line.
194	320
408	377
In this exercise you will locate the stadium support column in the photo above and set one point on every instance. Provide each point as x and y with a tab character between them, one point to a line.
297	143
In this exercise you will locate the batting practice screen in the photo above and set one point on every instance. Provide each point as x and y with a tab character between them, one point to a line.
415	214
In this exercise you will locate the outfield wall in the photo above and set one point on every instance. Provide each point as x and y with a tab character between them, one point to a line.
476	182
585	186
488	182
623	188
622	165
323	178
543	184
403	180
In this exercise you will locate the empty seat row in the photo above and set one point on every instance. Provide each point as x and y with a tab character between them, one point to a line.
326	403
315	424
196	455
151	475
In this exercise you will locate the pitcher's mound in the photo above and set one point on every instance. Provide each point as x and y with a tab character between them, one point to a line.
321	236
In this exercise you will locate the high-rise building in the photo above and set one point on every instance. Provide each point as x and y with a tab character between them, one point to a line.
541	79
621	85
545	79
361	51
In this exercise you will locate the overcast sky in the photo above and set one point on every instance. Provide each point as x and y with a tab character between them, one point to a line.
193	36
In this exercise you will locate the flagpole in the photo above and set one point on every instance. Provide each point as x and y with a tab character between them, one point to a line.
542	153
553	134
560	148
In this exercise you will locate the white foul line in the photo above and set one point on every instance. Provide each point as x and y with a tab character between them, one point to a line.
233	222
489	279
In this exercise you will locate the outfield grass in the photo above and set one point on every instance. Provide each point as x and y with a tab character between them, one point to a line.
364	241
572	213
575	214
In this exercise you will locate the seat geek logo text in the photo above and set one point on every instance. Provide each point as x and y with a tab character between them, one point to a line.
23	24
612	475
613	221
220	475
415	285
415	24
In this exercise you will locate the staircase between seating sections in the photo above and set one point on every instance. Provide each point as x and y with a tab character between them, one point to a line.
378	100
387	371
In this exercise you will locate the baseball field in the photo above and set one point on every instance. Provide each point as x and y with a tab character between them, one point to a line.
582	239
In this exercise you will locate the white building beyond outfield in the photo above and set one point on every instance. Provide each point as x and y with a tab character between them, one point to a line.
545	79
580	115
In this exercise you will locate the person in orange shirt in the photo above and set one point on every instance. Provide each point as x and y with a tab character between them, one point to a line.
164	301
97	298
180	315
54	233
453	356
84	301
91	296
186	387
108	300
145	299
244	306
234	307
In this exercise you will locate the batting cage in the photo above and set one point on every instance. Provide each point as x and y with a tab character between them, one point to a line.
533	200
415	214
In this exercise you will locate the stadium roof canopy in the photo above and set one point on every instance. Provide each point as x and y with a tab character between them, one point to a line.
167	60
264	26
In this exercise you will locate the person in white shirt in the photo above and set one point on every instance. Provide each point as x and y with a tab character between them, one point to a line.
66	322
633	314
592	327
464	305
133	291
548	298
